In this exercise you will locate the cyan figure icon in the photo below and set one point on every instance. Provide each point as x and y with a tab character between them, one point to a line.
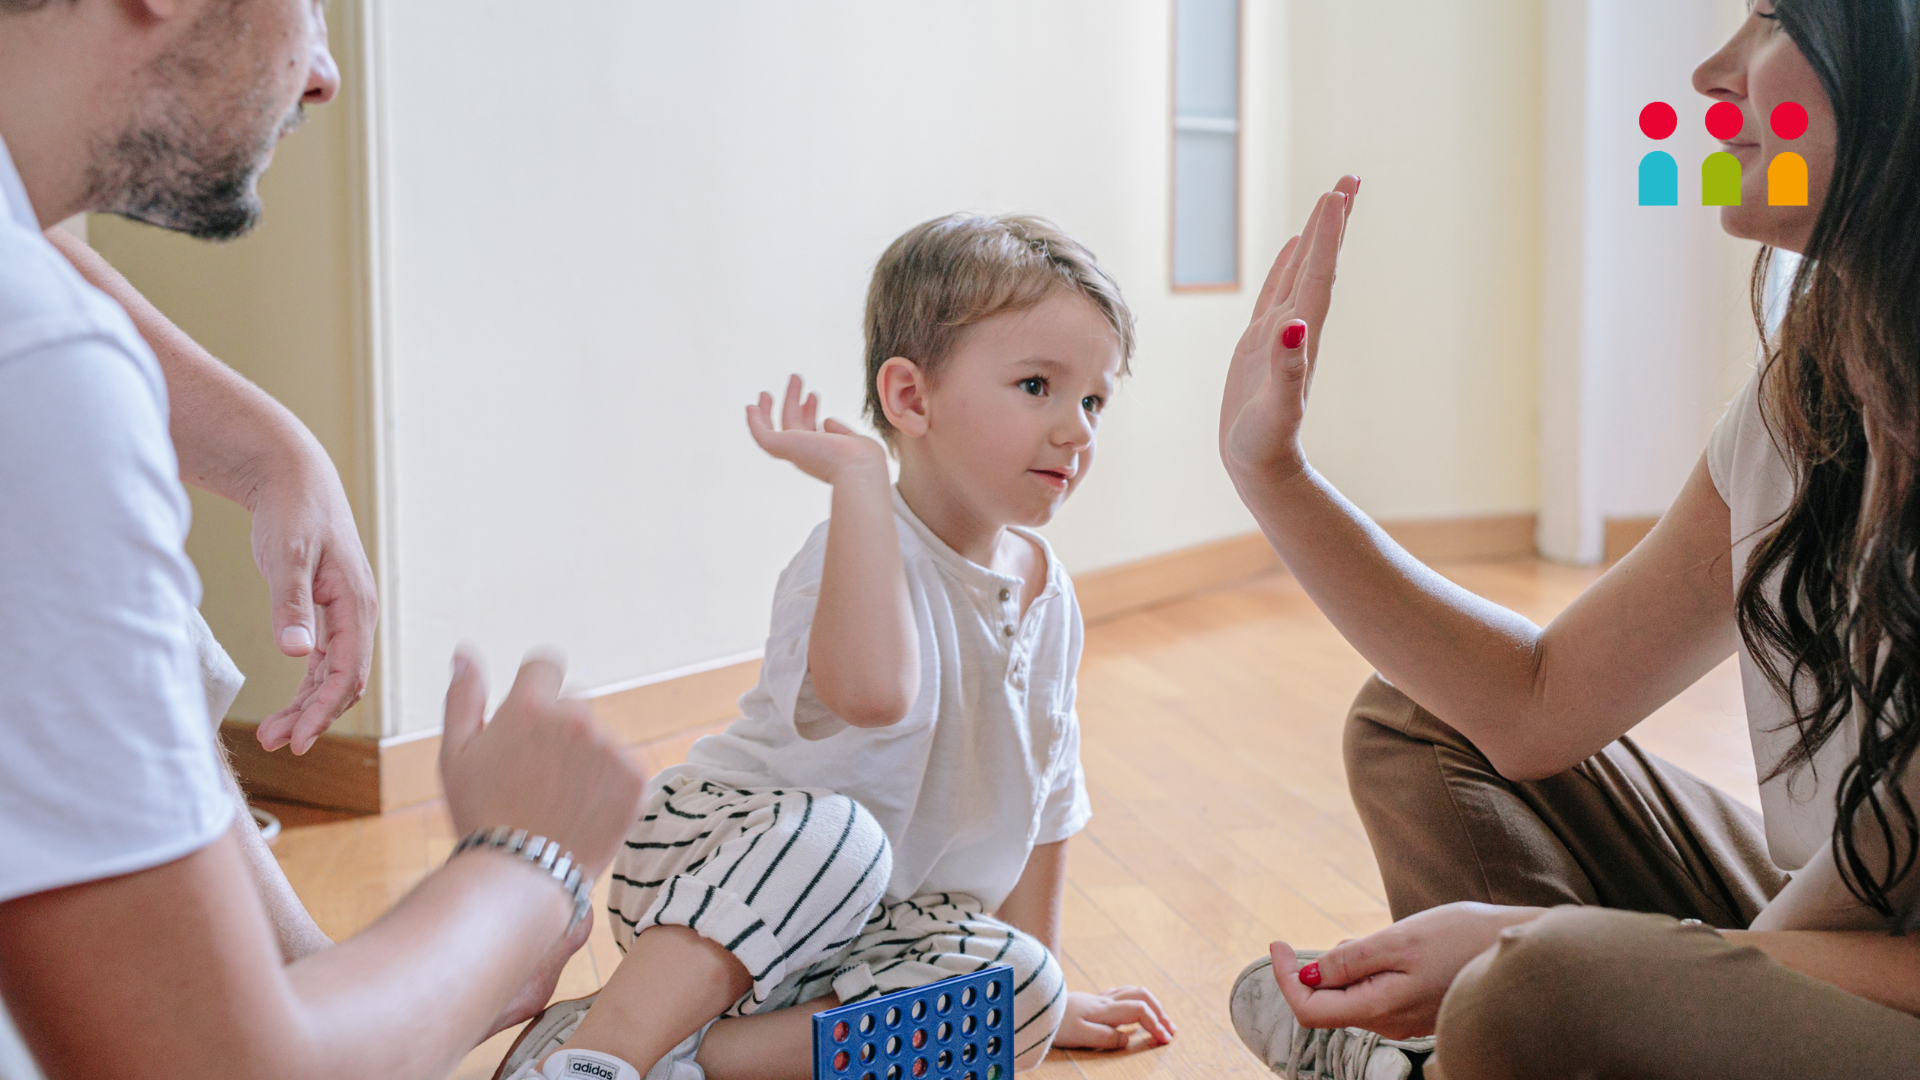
1787	181
1720	180
1659	180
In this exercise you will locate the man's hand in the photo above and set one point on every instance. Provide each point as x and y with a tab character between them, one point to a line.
1095	1021
325	603
1392	982
822	451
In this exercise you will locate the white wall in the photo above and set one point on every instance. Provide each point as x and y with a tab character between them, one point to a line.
1646	333
593	231
612	224
1424	403
609	226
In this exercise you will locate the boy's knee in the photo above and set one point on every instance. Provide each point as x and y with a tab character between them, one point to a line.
1039	999
836	827
1540	997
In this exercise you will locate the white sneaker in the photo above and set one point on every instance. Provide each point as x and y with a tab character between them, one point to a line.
1265	1023
586	1065
542	1036
549	1031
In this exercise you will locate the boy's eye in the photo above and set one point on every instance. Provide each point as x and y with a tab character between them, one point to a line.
1033	384
1092	403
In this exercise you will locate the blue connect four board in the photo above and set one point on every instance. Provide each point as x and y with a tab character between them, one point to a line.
956	1029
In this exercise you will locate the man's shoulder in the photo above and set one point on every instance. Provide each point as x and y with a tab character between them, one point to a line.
44	300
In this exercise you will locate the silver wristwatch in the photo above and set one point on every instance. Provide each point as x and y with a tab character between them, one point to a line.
541	852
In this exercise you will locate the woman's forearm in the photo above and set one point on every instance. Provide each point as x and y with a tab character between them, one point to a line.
863	651
1471	661
1535	701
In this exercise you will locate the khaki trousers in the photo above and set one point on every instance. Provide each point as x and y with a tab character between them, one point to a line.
1586	991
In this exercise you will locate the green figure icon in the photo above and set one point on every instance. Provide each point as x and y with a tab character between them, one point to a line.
1720	180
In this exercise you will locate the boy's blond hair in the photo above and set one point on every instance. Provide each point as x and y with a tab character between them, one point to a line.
949	273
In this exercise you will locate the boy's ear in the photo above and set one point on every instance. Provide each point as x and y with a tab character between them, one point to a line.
903	396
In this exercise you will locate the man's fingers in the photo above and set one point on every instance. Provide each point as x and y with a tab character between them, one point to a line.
835	427
539	680
336	694
809	416
790	407
290	579
466	704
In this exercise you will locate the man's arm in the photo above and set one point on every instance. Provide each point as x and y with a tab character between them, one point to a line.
235	441
173	972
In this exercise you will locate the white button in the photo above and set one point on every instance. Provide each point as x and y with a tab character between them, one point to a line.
1005	596
1009	631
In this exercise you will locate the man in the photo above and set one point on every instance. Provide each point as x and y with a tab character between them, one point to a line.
131	940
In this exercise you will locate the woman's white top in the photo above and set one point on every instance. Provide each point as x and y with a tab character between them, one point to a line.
986	764
1756	481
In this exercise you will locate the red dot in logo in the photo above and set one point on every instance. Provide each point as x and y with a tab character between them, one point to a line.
1725	120
1657	120
1789	120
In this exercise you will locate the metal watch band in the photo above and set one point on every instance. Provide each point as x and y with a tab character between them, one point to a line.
539	851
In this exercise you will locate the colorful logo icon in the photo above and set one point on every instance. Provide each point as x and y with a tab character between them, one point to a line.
1720	174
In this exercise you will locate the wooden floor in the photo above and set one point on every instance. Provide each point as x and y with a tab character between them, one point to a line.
1211	739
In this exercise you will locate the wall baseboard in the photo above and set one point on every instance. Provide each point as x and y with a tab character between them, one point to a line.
375	775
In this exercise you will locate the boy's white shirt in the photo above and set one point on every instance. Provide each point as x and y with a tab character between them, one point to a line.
986	764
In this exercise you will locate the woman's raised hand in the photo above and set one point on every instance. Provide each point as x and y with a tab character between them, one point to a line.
1272	369
819	450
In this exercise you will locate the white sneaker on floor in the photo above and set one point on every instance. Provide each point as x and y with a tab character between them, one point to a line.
585	1065
550	1031
1265	1023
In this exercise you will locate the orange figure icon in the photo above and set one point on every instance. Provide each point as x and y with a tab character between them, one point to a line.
1787	181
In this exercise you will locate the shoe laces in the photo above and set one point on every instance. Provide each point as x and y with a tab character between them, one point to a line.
1329	1053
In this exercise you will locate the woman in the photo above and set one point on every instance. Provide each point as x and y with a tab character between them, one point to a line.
1509	790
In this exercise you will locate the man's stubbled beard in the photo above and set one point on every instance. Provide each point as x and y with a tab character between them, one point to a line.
192	158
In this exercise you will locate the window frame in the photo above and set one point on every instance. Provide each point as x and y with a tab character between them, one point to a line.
1239	152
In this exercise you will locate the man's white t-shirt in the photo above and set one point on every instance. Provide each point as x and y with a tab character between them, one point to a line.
106	754
987	763
1756	481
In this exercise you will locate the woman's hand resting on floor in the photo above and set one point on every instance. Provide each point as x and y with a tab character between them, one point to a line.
1272	369
821	451
1392	981
1094	1021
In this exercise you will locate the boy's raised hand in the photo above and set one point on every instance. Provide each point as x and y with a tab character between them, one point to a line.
819	450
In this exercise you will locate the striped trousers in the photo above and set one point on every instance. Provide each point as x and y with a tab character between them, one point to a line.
791	882
779	878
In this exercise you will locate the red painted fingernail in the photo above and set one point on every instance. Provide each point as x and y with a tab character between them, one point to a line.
1293	335
1310	975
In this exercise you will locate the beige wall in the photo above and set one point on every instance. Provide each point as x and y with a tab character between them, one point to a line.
281	306
1424	405
598	232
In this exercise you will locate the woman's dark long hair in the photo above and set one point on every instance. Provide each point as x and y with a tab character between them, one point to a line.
1829	608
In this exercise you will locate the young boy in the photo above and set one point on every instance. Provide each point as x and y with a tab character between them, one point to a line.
893	807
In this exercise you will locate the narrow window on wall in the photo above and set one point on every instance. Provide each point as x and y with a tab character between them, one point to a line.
1206	144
